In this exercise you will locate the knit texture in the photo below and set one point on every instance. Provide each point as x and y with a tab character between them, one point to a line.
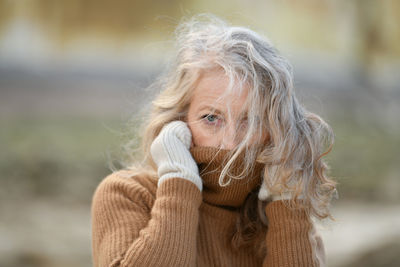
136	223
170	152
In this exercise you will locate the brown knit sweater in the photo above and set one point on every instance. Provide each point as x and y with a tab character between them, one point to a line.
134	223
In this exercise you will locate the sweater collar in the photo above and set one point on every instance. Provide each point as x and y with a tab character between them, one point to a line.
211	161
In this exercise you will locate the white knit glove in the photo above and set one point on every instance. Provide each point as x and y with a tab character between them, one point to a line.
264	194
170	151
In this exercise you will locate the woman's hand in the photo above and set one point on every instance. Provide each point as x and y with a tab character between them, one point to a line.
265	194
170	151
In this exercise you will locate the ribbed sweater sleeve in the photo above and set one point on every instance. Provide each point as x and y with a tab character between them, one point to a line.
291	238
128	231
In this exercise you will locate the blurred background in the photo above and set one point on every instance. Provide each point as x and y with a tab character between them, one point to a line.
72	73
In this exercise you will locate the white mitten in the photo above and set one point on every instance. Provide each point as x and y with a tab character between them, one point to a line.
264	194
170	151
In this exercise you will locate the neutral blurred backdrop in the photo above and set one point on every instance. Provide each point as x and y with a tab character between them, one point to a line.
72	73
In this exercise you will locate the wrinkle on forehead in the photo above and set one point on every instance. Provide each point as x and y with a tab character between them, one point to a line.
212	90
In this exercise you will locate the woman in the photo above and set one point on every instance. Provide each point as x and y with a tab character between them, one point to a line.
232	172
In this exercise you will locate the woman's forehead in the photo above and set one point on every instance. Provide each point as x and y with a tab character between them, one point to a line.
212	90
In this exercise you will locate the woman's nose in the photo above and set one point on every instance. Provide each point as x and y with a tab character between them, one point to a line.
229	139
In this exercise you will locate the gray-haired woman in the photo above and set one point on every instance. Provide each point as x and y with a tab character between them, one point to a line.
232	171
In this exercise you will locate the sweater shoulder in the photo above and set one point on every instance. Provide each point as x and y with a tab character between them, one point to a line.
133	185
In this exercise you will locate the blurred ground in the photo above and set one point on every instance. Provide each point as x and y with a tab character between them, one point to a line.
44	233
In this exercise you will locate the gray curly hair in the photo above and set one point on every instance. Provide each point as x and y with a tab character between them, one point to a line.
298	139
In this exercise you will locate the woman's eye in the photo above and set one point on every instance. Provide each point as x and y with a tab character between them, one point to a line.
210	118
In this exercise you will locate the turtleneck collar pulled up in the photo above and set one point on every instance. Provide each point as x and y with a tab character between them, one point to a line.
210	161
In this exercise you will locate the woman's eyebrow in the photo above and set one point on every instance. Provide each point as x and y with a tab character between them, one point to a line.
202	107
243	114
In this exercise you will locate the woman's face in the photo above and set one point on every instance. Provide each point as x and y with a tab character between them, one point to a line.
208	118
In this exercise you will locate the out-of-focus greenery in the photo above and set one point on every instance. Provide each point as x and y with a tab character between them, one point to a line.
66	158
364	159
57	158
